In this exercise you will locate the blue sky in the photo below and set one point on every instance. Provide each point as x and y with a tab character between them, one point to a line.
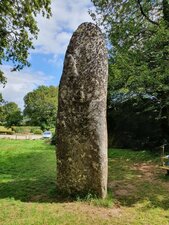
48	56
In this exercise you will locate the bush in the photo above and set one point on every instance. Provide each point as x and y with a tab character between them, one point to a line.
25	129
21	129
7	132
52	130
37	131
53	139
4	130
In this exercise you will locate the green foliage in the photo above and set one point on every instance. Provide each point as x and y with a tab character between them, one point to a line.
10	114
37	131
138	32
140	50
41	106
54	139
1	99
2	114
131	124
18	28
24	129
4	130
53	130
108	202
20	129
14	118
7	132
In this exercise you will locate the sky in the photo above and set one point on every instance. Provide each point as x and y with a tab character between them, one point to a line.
48	57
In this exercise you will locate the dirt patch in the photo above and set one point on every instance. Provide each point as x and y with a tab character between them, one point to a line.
39	198
146	171
122	188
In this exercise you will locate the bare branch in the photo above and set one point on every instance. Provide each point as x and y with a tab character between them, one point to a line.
143	13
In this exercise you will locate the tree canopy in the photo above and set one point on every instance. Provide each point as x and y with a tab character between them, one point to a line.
41	106
138	35
18	27
10	114
1	99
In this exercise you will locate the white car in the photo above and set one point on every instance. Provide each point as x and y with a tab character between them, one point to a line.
47	134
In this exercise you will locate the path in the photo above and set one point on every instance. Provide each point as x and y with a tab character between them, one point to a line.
21	136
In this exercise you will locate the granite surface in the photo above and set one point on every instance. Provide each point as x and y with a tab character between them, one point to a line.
81	120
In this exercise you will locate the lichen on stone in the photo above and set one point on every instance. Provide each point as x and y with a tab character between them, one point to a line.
81	119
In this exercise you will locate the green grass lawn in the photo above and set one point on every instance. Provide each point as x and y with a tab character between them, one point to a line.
138	189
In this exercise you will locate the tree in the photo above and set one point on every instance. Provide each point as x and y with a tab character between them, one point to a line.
130	126
1	99
138	31
18	27
1	109
41	106
10	114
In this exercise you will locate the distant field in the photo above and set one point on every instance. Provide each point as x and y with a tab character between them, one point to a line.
138	189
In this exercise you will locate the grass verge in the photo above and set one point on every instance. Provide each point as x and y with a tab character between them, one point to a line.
138	189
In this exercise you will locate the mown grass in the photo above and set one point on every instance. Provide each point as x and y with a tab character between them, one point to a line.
27	169
138	189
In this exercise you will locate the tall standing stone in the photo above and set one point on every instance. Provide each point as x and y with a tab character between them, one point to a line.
81	122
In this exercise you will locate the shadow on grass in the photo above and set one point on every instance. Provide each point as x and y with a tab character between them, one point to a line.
135	177
31	177
144	194
135	189
28	190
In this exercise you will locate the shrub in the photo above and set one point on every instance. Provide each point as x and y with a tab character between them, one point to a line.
10	132
53	139
37	131
52	130
21	129
25	129
4	130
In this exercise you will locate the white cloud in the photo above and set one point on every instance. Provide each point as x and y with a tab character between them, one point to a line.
20	83
55	33
53	39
